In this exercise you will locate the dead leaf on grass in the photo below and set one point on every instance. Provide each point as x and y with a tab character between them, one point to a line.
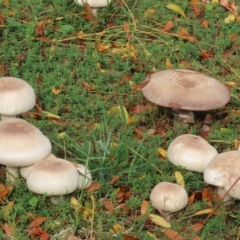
93	187
231	6
171	234
144	207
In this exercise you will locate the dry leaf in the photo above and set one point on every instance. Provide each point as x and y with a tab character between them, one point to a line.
231	6
230	18
138	108
109	206
176	8
168	64
207	193
114	179
102	47
179	179
40	28
126	29
204	211
183	33
149	12
59	90
205	24
168	26
93	187
144	207
159	221
171	234
127	237
162	152
197	9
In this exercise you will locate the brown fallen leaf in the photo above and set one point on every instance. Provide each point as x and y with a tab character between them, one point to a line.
183	33
168	26
171	234
109	206
93	187
127	237
205	24
144	207
231	6
41	26
114	179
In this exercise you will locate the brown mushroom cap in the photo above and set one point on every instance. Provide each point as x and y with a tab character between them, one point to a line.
185	89
16	95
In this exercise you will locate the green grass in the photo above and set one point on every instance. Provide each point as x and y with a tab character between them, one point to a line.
53	57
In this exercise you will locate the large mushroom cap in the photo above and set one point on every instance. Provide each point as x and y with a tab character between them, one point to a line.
21	143
191	152
16	95
169	197
52	176
185	89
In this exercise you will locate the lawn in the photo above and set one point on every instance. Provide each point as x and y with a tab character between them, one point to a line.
87	74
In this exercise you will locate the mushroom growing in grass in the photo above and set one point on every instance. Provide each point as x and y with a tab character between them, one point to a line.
224	171
186	90
51	176
85	177
21	144
16	95
191	152
168	197
94	4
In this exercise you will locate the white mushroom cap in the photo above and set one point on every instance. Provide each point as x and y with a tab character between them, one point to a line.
21	143
16	95
224	171
191	152
185	89
85	177
168	197
93	3
52	176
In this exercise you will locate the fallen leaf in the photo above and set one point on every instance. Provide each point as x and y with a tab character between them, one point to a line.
109	206
72	237
4	190
102	47
119	111
144	207
127	237
114	179
123	193
168	64
93	187
231	6
40	28
116	228
204	211
179	179
168	26
162	152
149	12
159	221
197	8
171	234
126	29
205	24
183	33
88	14
207	194
230	18
9	231
176	8
138	108
59	90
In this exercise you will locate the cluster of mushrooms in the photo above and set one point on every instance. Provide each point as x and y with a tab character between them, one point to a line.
185	91
24	146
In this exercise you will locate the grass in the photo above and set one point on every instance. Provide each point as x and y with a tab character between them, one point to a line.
95	65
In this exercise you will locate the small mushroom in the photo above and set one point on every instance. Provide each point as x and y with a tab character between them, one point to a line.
191	152
16	95
94	4
168	197
185	90
224	171
51	176
21	144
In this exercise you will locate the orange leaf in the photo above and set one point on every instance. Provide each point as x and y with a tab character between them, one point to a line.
144	207
126	29
139	87
102	47
114	179
109	206
171	234
186	64
168	26
138	108
93	187
207	194
4	191
88	14
37	221
127	237
231	6
197	9
205	24
183	33
9	231
86	86
168	64
205	54
40	28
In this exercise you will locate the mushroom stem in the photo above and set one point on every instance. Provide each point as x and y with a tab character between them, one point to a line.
94	11
5	117
223	194
11	174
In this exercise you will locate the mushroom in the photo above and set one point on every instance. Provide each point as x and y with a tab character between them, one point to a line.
16	95
85	177
185	90
21	144
94	4
224	171
191	152
51	176
168	197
